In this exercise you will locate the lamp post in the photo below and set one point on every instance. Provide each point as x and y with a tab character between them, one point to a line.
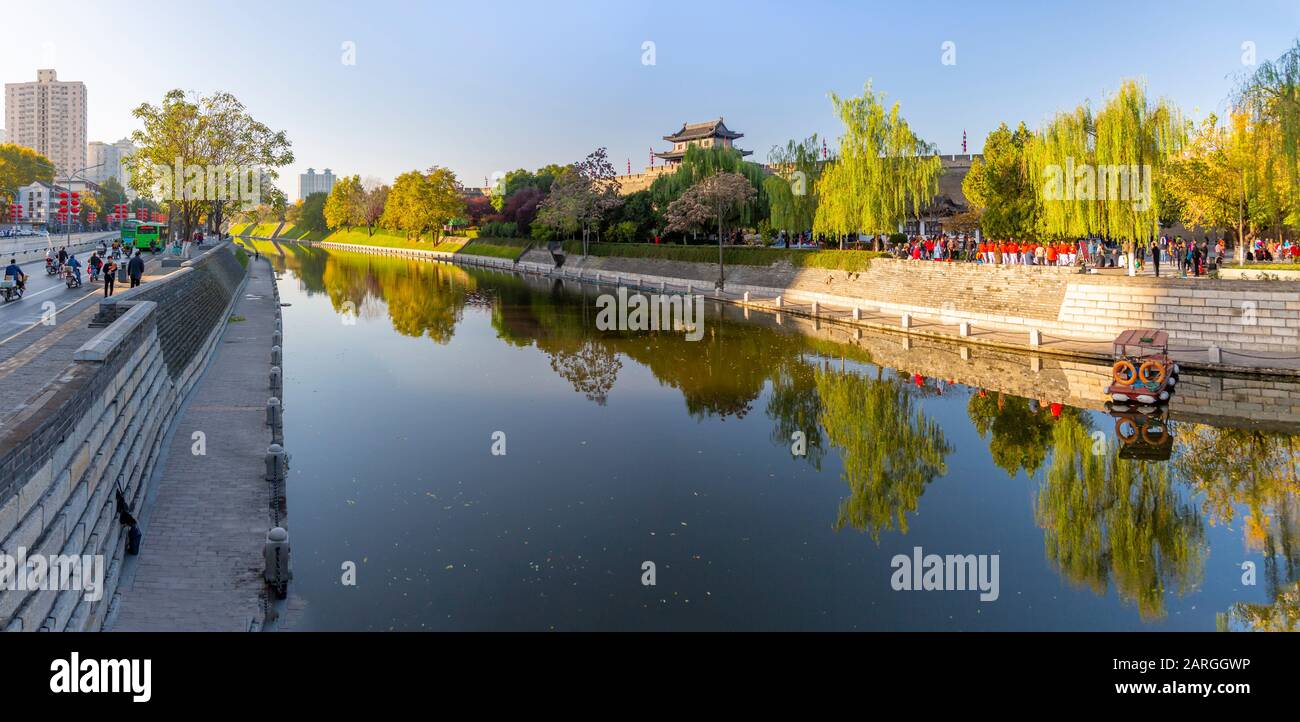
722	277
72	176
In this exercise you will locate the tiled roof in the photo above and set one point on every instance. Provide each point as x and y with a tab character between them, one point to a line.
708	129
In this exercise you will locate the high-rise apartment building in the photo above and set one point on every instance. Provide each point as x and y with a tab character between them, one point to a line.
313	182
49	116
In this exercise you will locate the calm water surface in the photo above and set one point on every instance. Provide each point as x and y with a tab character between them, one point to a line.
627	448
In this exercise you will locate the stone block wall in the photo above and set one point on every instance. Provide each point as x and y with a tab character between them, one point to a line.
1238	317
1237	314
104	428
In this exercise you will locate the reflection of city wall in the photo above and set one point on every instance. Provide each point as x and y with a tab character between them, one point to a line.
1266	403
1239	318
1269	403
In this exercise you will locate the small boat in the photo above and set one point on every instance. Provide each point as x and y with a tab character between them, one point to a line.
1143	376
1144	435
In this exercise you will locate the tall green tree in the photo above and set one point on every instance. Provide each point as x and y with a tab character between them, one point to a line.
883	174
216	143
700	163
792	188
1273	95
20	166
999	188
346	203
1105	174
420	202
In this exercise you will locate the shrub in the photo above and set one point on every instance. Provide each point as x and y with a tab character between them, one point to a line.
623	232
499	229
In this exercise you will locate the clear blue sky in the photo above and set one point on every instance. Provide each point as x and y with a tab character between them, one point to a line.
481	87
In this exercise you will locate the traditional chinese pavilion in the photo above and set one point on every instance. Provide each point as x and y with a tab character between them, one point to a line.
706	135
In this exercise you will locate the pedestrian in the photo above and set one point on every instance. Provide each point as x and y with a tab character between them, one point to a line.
1155	257
110	276
135	269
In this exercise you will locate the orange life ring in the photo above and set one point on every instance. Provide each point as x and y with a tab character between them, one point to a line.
1119	430
1124	373
1159	437
1152	366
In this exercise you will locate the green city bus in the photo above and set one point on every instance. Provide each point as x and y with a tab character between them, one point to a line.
144	235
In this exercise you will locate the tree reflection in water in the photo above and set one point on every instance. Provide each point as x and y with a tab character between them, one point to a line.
1255	471
889	448
1106	521
1110	520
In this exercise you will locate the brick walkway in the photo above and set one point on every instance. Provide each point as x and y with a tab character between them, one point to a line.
206	517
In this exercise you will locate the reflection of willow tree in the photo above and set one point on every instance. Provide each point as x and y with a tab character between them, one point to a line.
1283	615
1019	434
1110	519
890	448
795	406
1257	470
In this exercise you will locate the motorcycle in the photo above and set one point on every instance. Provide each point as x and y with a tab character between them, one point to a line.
71	279
10	289
51	268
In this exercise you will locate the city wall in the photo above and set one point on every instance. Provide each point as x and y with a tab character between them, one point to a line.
101	428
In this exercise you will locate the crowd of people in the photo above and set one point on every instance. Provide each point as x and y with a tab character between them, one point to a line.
1189	257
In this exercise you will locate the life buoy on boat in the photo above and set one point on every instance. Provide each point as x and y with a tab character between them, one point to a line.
1152	372
1124	372
1131	435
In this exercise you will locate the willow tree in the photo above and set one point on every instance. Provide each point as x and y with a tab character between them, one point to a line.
883	174
1273	94
792	189
700	163
1104	174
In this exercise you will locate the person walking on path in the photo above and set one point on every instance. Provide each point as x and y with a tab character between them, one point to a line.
135	269
110	276
1155	257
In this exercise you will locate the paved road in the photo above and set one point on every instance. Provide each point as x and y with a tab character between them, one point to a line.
41	288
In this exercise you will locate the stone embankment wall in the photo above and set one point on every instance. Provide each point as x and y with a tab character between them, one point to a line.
1235	317
101	429
1212	323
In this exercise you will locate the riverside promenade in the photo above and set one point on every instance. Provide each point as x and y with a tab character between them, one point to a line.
207	514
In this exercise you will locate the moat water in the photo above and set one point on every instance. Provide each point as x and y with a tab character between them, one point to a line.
486	458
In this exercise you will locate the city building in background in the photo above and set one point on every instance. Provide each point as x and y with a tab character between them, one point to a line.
313	182
110	160
40	200
49	116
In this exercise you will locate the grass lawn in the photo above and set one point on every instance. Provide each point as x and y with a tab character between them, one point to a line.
510	248
263	229
389	239
735	255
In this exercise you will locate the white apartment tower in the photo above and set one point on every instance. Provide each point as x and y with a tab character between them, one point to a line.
313	182
110	159
49	116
